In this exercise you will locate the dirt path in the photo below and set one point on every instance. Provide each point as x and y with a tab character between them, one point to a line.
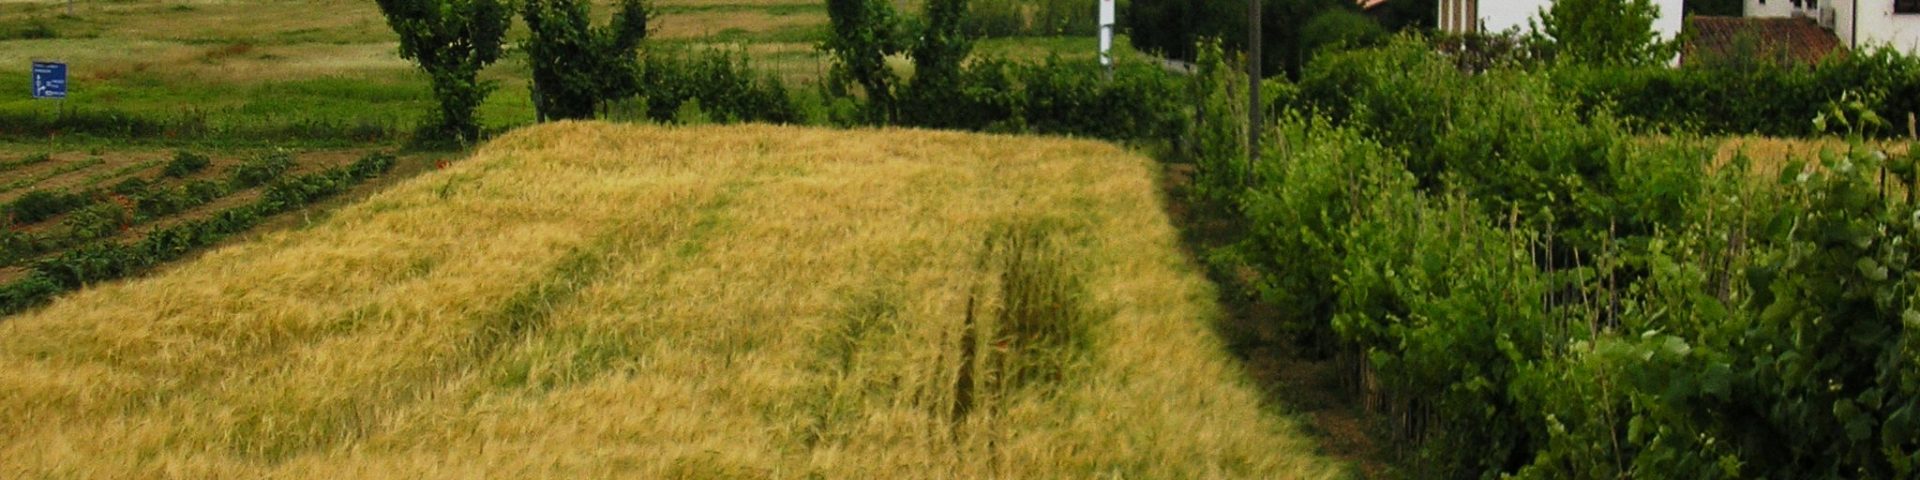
1291	383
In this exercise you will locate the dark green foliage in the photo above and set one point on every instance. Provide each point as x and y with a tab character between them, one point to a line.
260	170
451	40
865	32
26	293
1322	183
97	221
131	186
186	163
722	83
1576	302
1141	101
995	18
1604	32
16	245
1717	8
1340	28
1398	15
1066	17
161	202
578	68
1758	98
1173	27
39	205
937	58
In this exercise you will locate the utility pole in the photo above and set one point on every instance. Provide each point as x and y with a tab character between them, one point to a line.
1254	106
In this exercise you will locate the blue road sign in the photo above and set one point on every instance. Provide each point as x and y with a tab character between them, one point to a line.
49	80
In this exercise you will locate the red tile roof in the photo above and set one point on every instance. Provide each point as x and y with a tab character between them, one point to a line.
1786	40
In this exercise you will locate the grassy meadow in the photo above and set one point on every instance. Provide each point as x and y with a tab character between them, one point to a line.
584	300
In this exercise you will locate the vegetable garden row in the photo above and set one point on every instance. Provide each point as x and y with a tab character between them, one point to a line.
98	233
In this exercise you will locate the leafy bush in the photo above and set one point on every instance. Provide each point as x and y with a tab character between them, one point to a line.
1764	99
39	205
131	186
99	220
26	292
1141	101
260	170
1605	32
1172	28
723	84
186	163
1576	302
1302	204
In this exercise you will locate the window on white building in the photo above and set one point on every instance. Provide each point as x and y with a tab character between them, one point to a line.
1906	6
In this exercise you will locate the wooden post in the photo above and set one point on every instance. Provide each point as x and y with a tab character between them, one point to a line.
1254	106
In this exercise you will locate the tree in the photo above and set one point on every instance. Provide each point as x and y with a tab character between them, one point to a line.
937	55
864	34
1604	32
451	40
578	68
1172	27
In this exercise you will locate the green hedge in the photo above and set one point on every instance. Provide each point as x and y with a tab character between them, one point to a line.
1753	99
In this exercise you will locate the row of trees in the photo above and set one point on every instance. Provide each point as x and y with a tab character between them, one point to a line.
577	67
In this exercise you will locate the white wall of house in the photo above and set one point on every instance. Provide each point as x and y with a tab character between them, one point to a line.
1503	15
1877	26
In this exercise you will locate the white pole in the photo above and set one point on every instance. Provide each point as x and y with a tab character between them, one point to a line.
1107	16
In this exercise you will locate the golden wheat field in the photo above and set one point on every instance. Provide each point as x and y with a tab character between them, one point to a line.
584	300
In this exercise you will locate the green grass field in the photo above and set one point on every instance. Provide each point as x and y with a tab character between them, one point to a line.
267	71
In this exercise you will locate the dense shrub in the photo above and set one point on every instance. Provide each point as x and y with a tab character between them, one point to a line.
1306	199
1172	28
1576	302
721	83
1605	32
260	170
39	205
1140	101
1765	99
185	163
99	220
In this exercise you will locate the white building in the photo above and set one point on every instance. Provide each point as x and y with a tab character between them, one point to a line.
1493	16
1858	23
